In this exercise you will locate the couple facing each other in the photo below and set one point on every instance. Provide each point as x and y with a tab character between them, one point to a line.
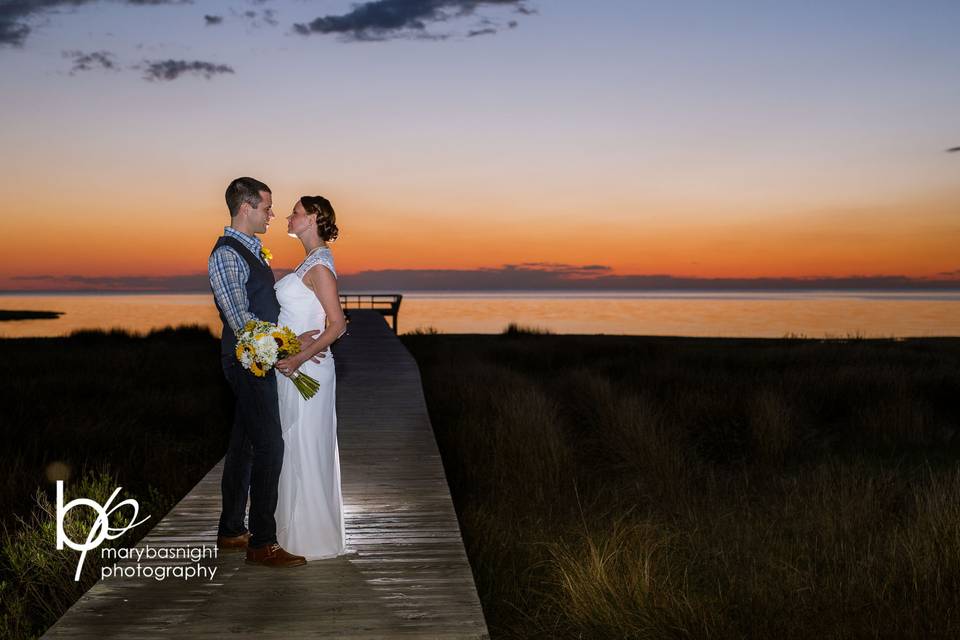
283	449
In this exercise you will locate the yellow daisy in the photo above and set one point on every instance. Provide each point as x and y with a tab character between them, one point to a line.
290	341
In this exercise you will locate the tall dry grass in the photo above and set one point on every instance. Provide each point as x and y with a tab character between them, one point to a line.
614	487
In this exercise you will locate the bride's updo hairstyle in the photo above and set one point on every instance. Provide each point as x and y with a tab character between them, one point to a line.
326	218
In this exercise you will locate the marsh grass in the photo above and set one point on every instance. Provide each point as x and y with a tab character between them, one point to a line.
101	410
423	331
612	487
514	329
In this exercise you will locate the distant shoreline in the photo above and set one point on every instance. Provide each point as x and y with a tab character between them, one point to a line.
17	314
904	293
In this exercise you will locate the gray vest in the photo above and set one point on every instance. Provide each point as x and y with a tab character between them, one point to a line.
260	294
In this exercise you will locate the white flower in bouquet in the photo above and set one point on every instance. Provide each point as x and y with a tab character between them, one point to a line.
261	344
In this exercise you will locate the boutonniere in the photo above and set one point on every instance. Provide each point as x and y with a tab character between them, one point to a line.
265	254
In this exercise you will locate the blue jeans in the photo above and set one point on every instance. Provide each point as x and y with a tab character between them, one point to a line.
254	456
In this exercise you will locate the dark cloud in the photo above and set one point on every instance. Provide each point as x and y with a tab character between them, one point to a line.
555	268
849	283
951	274
489	31
13	32
259	18
172	69
196	282
187	283
89	61
255	18
388	19
15	14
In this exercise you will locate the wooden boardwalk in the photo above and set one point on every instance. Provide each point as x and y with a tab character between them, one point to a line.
410	579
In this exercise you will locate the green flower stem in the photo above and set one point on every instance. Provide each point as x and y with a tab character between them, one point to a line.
306	385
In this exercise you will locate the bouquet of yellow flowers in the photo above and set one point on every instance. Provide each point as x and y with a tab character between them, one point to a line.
261	344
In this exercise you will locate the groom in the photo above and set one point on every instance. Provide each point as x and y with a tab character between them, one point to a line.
242	284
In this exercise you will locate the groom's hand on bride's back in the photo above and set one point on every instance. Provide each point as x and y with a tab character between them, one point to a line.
306	339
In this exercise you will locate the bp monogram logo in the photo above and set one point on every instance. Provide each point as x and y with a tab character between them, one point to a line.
101	529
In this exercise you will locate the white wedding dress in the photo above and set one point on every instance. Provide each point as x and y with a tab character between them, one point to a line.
310	508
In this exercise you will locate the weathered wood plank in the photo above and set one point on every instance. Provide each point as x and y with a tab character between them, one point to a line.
410	578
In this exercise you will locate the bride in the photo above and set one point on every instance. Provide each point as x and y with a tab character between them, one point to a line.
310	509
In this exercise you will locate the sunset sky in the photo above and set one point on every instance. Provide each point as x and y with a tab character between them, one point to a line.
703	139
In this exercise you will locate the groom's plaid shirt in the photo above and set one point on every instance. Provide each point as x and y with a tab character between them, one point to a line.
228	278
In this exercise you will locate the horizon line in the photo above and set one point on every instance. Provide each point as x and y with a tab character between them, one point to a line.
525	277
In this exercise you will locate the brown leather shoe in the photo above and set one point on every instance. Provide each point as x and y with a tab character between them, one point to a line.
233	543
273	555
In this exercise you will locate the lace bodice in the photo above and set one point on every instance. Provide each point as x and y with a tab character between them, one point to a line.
299	308
319	256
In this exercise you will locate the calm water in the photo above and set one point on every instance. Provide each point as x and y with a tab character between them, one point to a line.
684	314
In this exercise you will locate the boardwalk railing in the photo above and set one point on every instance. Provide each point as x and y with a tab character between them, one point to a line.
409	579
386	304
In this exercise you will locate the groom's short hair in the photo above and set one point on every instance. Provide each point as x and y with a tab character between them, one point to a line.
244	190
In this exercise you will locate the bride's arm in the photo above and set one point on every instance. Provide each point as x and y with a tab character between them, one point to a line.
324	285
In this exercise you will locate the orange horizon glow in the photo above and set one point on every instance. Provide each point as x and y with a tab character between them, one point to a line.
117	233
915	239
